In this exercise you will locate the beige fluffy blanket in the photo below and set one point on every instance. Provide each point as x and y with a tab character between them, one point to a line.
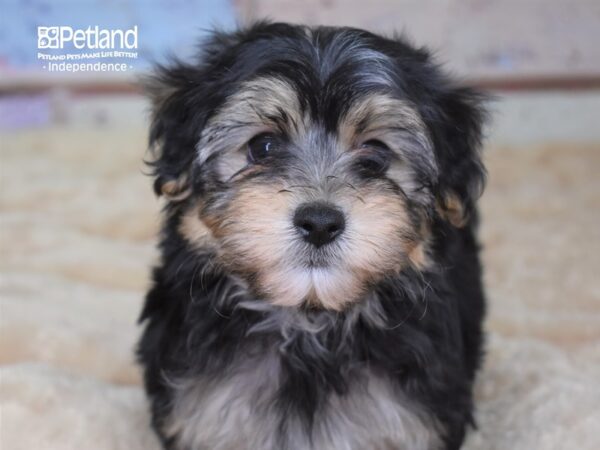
77	232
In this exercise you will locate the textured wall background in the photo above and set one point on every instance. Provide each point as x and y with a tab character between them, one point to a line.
477	38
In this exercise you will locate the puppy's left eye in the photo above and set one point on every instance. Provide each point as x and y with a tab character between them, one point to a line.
262	147
376	158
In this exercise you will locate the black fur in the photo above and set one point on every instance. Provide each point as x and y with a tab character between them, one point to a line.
432	344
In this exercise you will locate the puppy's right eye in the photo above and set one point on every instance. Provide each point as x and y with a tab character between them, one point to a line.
376	160
262	147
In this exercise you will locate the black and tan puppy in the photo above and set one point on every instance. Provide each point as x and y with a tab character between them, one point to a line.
319	286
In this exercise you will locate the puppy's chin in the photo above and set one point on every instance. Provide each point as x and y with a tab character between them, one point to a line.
318	287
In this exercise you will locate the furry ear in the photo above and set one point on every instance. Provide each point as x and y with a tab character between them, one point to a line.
457	135
183	96
173	136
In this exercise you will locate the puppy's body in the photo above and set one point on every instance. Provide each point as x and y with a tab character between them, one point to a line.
264	331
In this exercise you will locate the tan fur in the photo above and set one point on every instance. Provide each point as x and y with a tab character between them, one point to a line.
177	189
452	209
380	236
194	230
398	125
418	256
243	116
256	236
381	115
254	231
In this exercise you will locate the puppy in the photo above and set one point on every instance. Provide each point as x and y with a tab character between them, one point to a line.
320	285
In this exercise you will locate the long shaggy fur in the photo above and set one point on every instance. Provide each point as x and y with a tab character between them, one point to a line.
378	350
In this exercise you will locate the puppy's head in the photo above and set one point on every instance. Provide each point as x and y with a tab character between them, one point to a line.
313	161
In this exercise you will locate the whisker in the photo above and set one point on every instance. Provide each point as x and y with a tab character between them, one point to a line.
305	186
360	198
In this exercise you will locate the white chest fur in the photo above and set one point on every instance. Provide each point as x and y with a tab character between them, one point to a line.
239	412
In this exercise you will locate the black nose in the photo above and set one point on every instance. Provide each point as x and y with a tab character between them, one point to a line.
319	223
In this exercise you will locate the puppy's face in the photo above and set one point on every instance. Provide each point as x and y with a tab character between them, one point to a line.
307	161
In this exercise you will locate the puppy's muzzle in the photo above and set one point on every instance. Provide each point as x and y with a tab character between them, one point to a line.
319	223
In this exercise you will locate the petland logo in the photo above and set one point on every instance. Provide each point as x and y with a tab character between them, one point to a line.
92	38
93	49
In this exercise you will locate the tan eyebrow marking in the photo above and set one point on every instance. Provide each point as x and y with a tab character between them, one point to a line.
262	104
380	112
